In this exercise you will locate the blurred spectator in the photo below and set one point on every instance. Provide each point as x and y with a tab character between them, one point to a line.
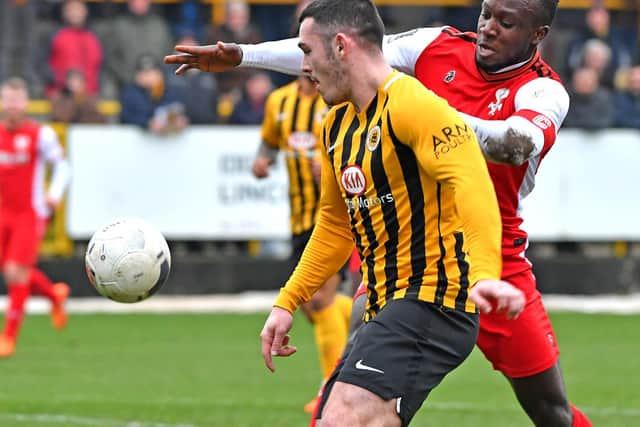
74	47
597	26
189	19
237	29
136	33
74	103
198	91
149	103
18	42
627	99
596	55
250	109
591	103
273	20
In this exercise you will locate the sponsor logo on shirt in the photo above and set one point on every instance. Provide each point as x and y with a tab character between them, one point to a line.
302	141
373	138
9	158
368	202
450	138
542	121
501	95
353	180
448	78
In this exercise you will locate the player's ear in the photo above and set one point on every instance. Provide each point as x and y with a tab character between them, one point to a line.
539	35
340	44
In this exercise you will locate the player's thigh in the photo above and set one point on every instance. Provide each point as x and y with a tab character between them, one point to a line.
355	406
24	236
524	346
406	350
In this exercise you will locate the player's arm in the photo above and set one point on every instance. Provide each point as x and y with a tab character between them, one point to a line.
270	132
283	56
401	50
541	106
51	151
328	249
447	150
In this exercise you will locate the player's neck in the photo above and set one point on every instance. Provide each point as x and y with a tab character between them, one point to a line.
11	123
367	76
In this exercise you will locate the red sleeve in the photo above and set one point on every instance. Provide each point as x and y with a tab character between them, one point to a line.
542	122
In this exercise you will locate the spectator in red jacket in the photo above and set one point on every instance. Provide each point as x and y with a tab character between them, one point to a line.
75	47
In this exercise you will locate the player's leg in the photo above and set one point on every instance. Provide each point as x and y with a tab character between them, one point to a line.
544	399
33	228
16	277
526	352
19	253
56	293
395	360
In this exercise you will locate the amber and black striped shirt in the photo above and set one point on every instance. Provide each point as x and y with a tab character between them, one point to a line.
405	179
292	123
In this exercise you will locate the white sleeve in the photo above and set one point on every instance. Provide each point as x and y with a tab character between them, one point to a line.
545	96
283	56
51	151
402	50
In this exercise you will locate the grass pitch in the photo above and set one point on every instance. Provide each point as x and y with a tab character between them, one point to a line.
206	371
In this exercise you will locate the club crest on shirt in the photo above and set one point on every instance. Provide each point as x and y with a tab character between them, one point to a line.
21	142
448	78
501	95
353	180
373	138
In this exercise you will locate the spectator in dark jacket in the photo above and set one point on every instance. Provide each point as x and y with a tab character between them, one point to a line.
149	103
591	103
198	91
627	100
250	109
137	32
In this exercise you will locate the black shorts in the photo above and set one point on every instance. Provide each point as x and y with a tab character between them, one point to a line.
298	243
404	352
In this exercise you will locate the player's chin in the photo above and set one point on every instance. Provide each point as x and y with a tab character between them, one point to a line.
488	61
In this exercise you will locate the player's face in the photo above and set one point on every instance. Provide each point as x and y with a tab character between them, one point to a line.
14	103
507	33
321	65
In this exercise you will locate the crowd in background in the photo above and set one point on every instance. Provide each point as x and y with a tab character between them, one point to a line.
76	54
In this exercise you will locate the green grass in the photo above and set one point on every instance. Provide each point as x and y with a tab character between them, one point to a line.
206	370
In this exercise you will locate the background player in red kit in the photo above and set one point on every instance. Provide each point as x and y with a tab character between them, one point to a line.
516	104
25	148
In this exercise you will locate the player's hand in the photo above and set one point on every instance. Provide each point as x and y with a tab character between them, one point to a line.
52	204
260	168
316	169
487	294
213	58
275	341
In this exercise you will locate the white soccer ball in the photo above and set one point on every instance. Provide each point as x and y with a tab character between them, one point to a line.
127	260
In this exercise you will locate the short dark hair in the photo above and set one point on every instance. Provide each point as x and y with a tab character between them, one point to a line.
545	10
349	16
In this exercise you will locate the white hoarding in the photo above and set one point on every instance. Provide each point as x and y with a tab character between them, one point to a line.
195	185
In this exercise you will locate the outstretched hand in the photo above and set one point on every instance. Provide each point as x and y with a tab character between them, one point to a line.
212	58
487	294
275	341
